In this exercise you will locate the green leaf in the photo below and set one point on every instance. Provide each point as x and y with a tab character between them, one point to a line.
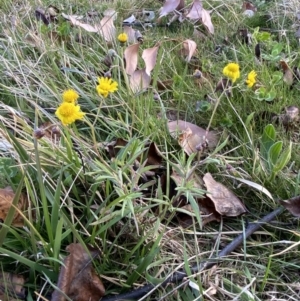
277	49
267	140
283	159
274	152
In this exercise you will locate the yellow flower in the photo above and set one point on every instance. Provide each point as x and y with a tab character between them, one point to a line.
251	80
122	37
106	86
232	71
68	113
70	96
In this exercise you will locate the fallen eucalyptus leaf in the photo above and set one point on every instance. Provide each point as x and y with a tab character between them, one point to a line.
189	49
149	56
206	20
192	137
195	12
139	80
131	58
6	198
170	6
292	205
130	34
107	28
11	287
77	278
225	201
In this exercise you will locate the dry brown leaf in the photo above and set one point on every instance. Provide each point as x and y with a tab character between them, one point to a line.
107	28
139	80
77	278
170	6
164	85
49	130
131	58
224	84
292	205
249	6
290	117
206	20
130	33
11	287
6	198
114	147
288	75
192	138
189	49
195	12
149	56
154	156
85	26
225	201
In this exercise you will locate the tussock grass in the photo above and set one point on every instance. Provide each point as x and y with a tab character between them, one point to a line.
78	194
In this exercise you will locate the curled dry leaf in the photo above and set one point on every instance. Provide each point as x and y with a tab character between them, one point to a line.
139	80
249	6
191	137
292	205
107	28
206	20
170	6
154	156
114	147
225	201
77	278
149	56
130	33
131	58
189	49
41	15
224	84
85	26
290	117
6	198
11	287
195	12
288	75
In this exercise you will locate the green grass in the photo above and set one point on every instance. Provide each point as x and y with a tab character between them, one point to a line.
78	193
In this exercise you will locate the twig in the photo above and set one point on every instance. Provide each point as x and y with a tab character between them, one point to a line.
180	275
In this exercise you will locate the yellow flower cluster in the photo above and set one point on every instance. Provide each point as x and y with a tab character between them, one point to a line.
106	85
251	80
232	71
68	112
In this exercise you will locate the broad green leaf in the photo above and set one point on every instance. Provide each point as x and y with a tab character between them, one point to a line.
283	159
267	140
274	153
277	49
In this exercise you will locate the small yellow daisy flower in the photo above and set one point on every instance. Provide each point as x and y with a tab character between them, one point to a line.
251	79
232	71
122	37
106	86
70	96
68	113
